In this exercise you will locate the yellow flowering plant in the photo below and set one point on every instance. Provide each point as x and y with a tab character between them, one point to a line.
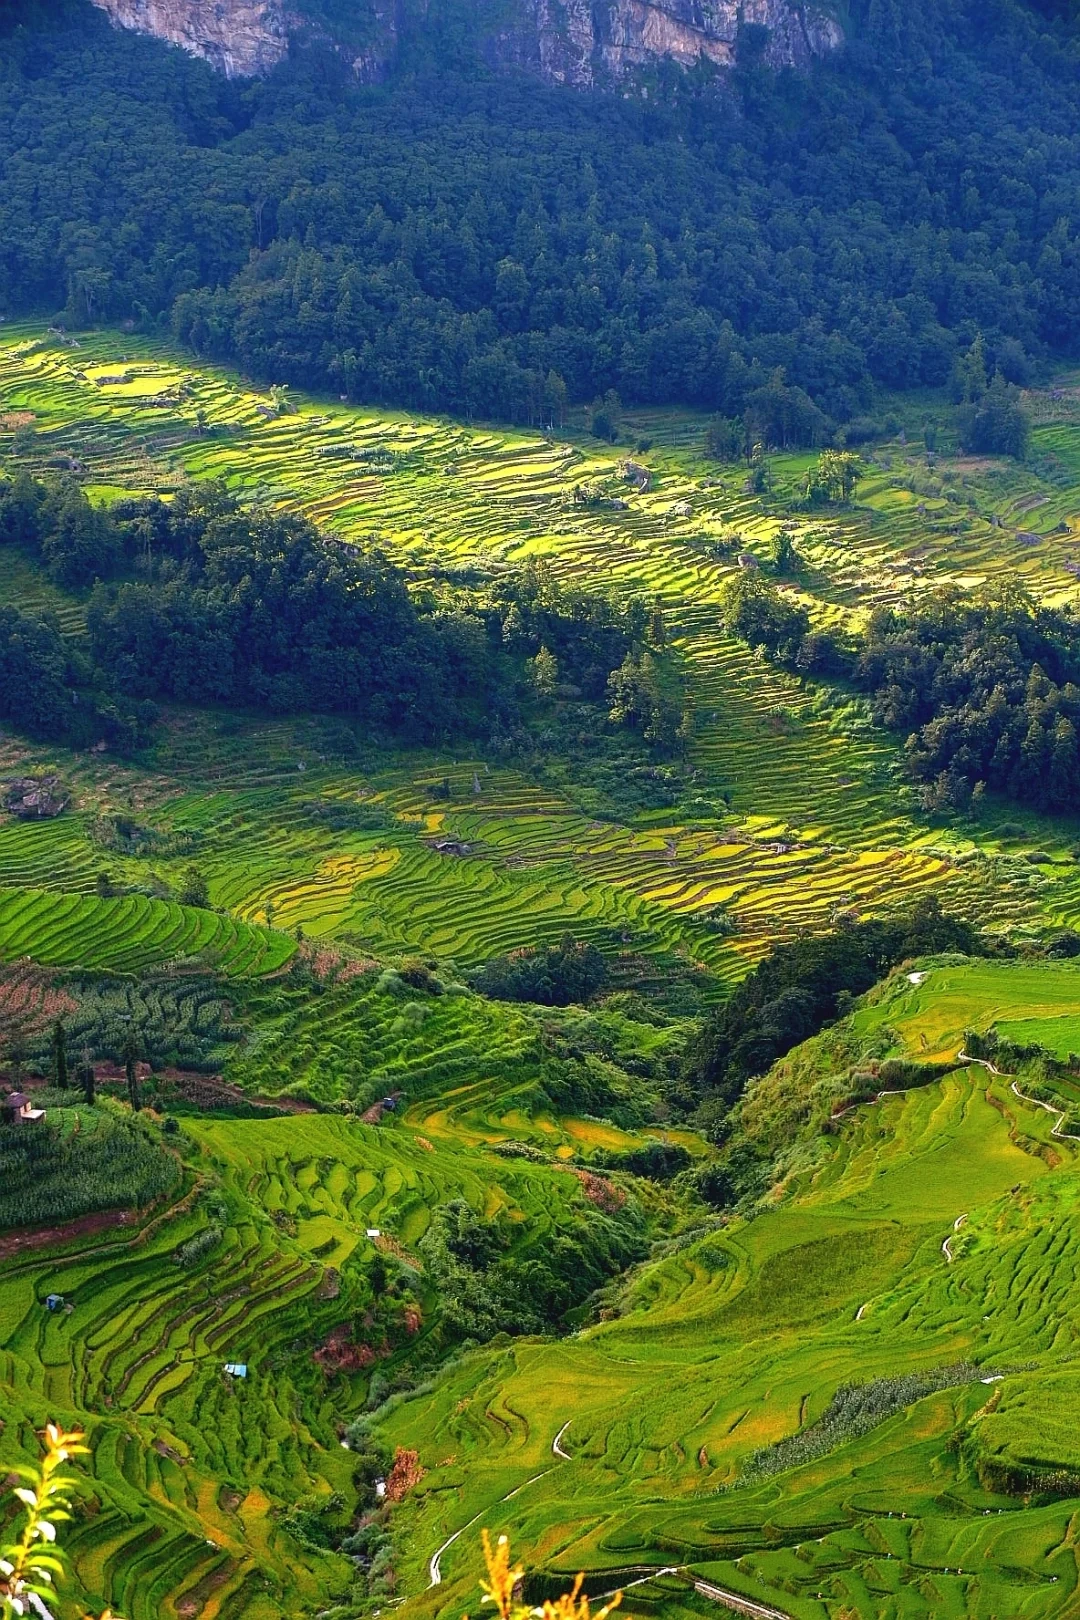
502	1581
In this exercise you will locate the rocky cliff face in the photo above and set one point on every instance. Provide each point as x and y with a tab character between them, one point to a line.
579	42
242	38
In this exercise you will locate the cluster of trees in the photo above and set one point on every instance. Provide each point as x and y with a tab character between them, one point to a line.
753	609
262	611
74	542
767	247
832	481
991	419
579	636
487	1287
985	687
201	601
50	690
795	991
655	1159
643	696
553	976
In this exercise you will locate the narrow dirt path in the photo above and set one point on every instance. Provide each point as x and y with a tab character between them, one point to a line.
716	1594
434	1569
435	1562
1014	1087
741	1605
84	1226
946	1247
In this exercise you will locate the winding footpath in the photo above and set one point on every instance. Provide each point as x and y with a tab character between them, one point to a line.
1014	1087
946	1247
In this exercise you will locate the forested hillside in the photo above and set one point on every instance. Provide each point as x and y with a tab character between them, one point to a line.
773	246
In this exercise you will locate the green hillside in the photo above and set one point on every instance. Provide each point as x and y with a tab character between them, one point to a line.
930	1242
836	1381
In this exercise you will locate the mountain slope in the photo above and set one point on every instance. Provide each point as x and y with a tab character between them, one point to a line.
576	43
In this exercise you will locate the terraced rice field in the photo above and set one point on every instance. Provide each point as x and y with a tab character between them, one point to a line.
820	820
192	1468
939	1226
129	934
738	1341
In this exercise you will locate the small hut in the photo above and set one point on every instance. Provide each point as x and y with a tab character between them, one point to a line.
17	1109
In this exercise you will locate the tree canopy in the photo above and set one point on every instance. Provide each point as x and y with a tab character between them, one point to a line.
765	246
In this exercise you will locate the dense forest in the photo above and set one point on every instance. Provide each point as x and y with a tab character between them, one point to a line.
200	601
765	245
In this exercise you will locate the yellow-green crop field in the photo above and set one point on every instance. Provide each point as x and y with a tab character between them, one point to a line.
821	819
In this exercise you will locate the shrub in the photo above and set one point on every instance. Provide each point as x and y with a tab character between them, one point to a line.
30	1562
656	1160
188	1255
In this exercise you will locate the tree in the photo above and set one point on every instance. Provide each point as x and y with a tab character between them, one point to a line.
88	293
760	479
606	417
556	397
783	557
511	294
637	699
756	611
834	478
544	673
995	422
687	722
60	1064
195	891
724	438
782	416
969	382
88	1077
131	1073
16	1054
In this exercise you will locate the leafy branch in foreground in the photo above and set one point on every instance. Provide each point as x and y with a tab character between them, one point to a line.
503	1583
29	1563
